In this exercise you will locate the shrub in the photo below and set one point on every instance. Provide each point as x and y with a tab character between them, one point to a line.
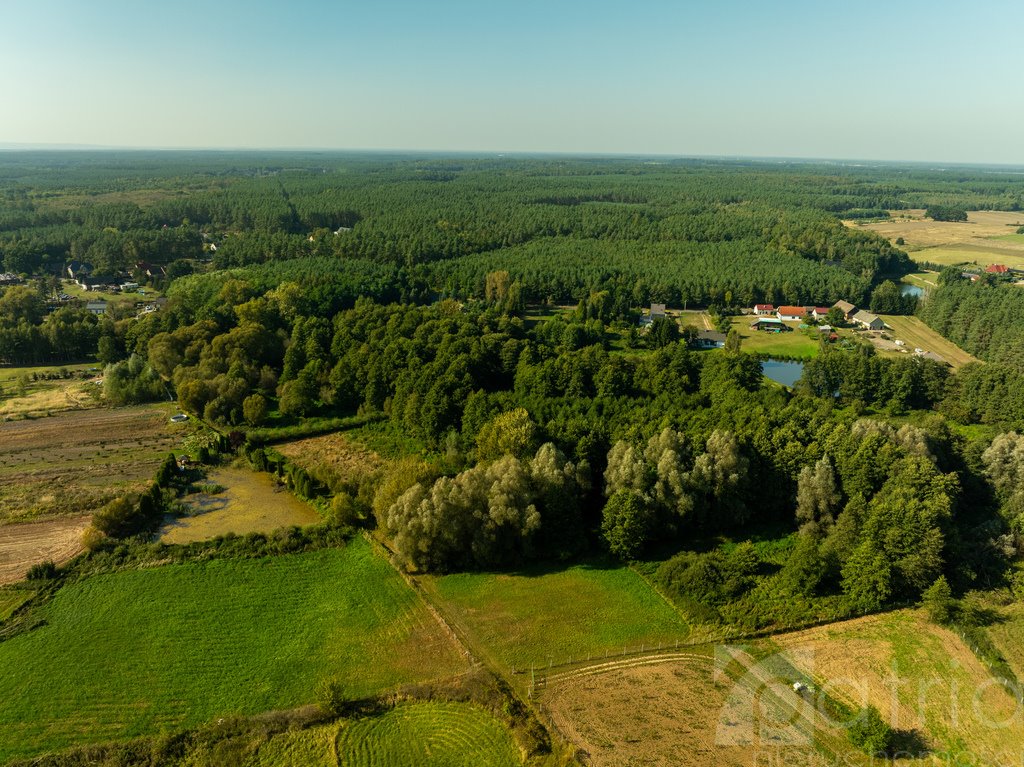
938	601
44	571
870	733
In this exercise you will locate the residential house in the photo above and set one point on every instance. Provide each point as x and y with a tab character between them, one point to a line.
997	269
764	310
790	313
99	308
657	313
709	339
846	308
78	269
819	312
868	321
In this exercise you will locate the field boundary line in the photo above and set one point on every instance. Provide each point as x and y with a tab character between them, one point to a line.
388	555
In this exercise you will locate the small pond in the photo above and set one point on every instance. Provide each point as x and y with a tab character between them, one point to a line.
785	372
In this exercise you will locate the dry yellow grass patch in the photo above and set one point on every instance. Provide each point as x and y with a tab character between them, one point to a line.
332	458
683	711
919	336
919	232
922	678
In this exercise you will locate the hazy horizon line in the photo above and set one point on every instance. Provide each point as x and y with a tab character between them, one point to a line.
24	146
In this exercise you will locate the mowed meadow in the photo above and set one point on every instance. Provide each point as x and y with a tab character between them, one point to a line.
144	651
540	616
412	734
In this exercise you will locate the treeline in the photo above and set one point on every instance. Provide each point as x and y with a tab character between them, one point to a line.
30	336
985	320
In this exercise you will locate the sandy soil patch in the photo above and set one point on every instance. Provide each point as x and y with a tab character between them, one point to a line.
22	546
251	503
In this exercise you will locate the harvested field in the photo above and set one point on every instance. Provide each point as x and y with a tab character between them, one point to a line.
922	678
75	462
649	711
920	232
30	543
919	336
251	502
332	458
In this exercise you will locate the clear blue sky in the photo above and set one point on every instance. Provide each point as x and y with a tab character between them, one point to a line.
908	80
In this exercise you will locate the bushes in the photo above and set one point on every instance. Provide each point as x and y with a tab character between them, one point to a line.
870	733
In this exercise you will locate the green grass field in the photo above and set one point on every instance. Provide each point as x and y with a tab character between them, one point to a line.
139	652
796	343
411	735
538	616
11	599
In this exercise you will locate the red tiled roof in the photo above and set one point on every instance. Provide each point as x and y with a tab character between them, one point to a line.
764	307
793	311
996	269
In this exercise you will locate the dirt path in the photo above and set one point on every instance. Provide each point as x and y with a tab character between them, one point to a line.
24	545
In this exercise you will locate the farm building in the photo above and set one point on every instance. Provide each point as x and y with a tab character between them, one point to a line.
997	269
846	308
769	324
764	310
868	321
820	312
790	313
709	339
657	312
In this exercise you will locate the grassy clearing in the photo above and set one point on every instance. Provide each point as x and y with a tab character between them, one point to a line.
920	336
115	299
75	462
11	599
543	615
411	735
250	502
796	343
33	392
146	651
922	678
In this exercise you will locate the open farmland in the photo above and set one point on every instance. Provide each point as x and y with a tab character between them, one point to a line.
922	678
987	237
251	502
919	336
332	458
75	462
420	734
29	543
144	651
542	615
650	710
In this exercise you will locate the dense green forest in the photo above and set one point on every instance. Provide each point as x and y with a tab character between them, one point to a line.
306	287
